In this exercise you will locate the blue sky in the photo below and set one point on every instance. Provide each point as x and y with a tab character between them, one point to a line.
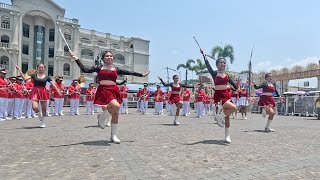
285	33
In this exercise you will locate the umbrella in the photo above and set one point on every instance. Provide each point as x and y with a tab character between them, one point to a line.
289	93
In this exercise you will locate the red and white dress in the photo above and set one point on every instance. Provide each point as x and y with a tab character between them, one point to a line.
39	91
266	100
106	93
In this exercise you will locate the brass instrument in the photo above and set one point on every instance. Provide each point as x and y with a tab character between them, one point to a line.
158	95
144	96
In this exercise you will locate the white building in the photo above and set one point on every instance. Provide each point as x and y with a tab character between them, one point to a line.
30	33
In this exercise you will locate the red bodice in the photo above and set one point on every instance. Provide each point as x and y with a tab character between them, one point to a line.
107	75
221	80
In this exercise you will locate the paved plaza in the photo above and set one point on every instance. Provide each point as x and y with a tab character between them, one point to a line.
73	147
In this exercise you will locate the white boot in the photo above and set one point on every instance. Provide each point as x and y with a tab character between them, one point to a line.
109	122
173	109
220	119
102	118
227	137
264	112
113	138
43	125
176	122
267	128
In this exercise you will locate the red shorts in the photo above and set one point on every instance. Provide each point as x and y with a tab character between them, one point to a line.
174	99
221	96
39	94
106	93
266	101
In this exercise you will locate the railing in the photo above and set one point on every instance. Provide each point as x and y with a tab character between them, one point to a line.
4	66
8	6
5	26
5	45
294	105
68	20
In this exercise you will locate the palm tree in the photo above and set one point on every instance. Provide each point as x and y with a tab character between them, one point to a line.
225	52
186	66
199	68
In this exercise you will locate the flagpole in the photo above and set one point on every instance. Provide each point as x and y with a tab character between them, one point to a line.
250	73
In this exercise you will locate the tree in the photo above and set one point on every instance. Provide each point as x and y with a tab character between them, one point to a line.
186	66
225	52
199	68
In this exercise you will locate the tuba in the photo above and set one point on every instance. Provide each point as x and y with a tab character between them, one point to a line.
81	81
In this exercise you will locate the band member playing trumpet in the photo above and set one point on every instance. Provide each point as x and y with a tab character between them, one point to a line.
158	100
200	95
144	98
59	98
90	92
185	96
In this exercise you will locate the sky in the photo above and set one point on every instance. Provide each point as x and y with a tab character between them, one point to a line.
284	33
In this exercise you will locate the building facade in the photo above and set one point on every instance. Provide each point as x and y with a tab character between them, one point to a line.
30	33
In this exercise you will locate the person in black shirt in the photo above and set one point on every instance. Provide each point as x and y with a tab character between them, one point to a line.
39	93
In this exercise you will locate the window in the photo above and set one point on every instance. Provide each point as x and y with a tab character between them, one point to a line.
66	69
51	35
5	22
102	43
4	62
24	67
51	52
38	54
5	41
86	53
25	30
119	59
116	46
67	34
85	40
50	70
25	49
66	50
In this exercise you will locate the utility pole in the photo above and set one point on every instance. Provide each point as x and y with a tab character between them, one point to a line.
168	72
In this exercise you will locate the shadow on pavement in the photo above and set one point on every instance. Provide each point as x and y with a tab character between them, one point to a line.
95	126
257	130
219	142
87	143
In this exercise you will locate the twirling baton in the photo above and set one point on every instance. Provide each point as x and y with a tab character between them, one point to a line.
9	56
201	48
65	40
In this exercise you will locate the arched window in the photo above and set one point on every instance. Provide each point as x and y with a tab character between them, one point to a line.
67	34
5	22
66	69
119	59
5	41
4	62
85	40
66	50
116	46
86	54
102	43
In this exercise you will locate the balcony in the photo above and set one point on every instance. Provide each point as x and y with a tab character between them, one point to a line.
67	20
5	26
9	7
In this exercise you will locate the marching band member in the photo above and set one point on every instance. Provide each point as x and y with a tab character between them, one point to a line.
124	94
175	99
139	100
29	112
221	95
74	91
59	97
90	92
200	95
186	101
144	98
108	94
4	85
243	102
266	100
167	97
158	101
207	102
235	100
10	101
39	92
50	101
19	91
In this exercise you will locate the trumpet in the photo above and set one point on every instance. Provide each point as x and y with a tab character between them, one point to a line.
158	95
